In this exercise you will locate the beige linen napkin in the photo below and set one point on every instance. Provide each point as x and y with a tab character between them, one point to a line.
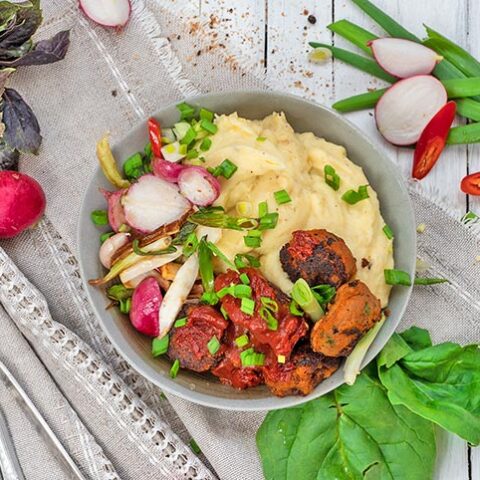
110	81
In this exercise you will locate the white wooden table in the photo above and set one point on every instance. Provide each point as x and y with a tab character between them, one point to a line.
273	35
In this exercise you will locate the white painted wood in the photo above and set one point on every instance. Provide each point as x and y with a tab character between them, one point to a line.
452	457
475	467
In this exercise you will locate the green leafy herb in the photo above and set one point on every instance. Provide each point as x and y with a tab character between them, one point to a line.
352	197
331	177
99	217
133	166
160	346
282	197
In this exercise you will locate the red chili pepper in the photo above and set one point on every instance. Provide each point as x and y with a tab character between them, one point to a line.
155	134
432	141
471	184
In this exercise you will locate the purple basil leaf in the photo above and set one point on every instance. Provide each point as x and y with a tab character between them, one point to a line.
4	74
45	51
8	157
26	22
12	53
22	131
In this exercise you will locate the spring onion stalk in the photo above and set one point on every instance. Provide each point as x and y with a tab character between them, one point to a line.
218	253
359	102
468	108
354	34
462	87
354	361
206	267
219	219
464	134
459	57
361	63
397	277
429	281
303	295
147	253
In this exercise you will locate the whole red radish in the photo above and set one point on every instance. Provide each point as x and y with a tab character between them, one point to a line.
22	203
146	301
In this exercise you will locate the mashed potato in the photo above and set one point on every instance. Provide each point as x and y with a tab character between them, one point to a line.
270	156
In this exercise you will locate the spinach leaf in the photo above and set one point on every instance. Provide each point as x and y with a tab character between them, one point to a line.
352	433
22	131
439	383
417	338
395	349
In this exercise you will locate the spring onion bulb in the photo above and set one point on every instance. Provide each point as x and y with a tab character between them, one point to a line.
303	295
354	361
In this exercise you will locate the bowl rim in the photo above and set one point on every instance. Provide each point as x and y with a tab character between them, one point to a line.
207	400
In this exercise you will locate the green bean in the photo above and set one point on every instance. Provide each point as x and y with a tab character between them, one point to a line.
468	108
365	64
462	87
464	134
359	102
354	34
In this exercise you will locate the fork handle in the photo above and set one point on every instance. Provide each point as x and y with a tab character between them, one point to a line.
9	464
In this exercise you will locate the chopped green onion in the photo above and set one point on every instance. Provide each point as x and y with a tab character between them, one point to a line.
208	217
294	310
397	277
191	154
210	298
181	322
252	241
190	245
247	306
267	315
225	291
213	345
99	217
206	266
189	137
261	139
281	359
303	295
244	279
254	233
187	112
118	292
464	134
324	293
125	305
352	197
183	235
144	253
268	221
133	166
195	448
282	197
250	358
218	253
208	126
353	33
206	115
224	313
388	232
241	341
246	353
175	368
226	169
331	177
429	281
242	291
243	260
262	209
206	144
160	346
105	236
269	303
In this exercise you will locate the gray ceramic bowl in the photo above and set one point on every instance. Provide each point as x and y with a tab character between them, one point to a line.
303	116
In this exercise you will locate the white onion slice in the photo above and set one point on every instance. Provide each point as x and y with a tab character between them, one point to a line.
404	58
153	202
177	294
110	246
407	106
108	13
199	186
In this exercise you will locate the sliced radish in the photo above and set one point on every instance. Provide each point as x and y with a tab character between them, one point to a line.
406	107
153	202
404	58
167	170
116	215
199	186
108	13
110	246
177	294
146	300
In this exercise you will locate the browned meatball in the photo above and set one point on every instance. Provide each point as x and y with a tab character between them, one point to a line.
319	257
354	311
301	374
189	343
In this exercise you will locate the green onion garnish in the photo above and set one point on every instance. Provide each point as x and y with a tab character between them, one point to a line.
250	358
429	281
331	177
247	306
160	346
118	292
469	216
262	209
242	291
267	315
206	115
144	253
99	217
206	144
181	322
209	217
323	293
210	298
148	150
303	295
269	303
175	368
187	112
190	245
218	253
244	279
261	139
125	305
208	126
388	232
224	313
133	166
294	310
182	236
226	169
397	277
252	242
241	341
189	137
282	197
213	345
225	291
243	260
191	154
268	221
105	236
352	197
205	266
